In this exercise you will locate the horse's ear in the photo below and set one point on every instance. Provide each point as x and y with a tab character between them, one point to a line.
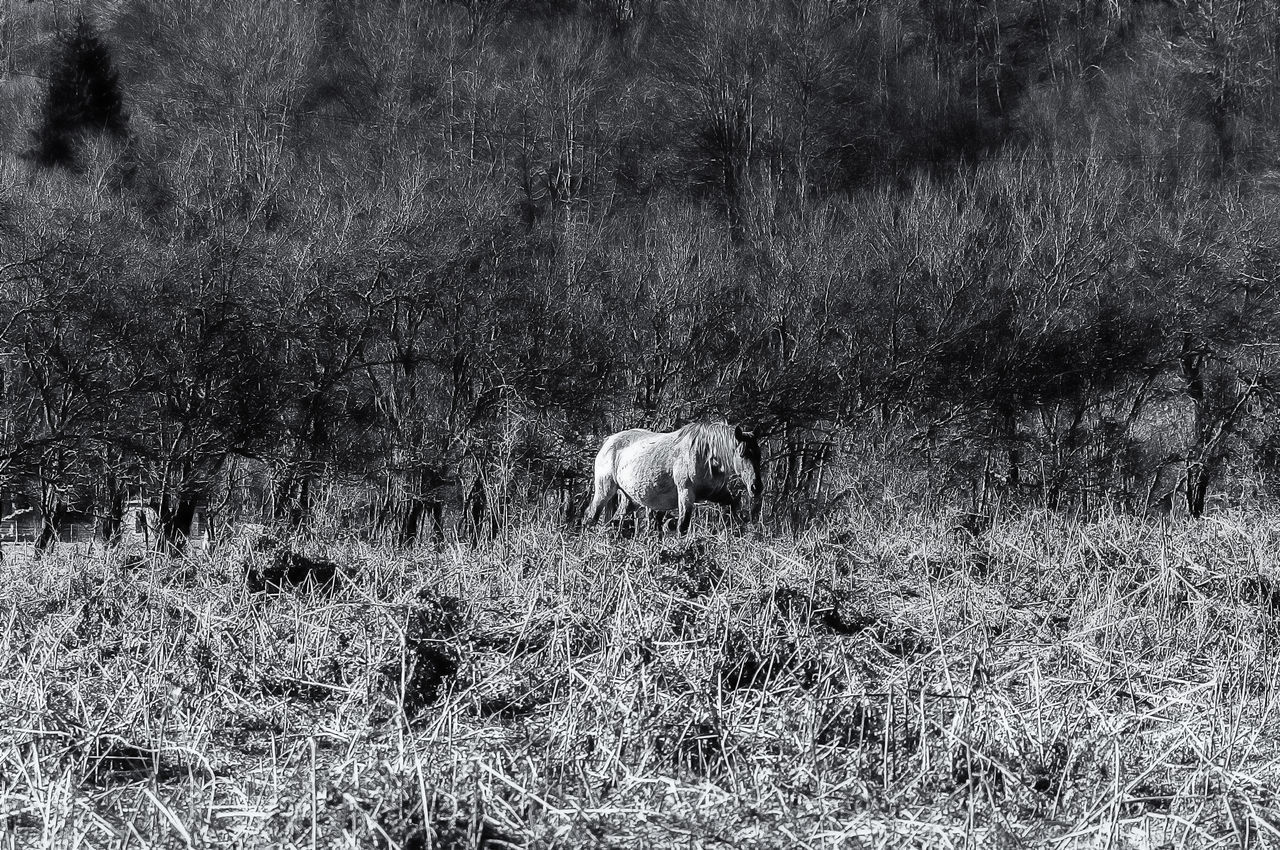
743	435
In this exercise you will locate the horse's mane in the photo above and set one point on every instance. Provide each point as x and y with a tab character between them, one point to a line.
707	441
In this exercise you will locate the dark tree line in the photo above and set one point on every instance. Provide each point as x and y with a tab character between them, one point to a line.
420	254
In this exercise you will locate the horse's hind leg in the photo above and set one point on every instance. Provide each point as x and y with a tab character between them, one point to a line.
602	500
629	516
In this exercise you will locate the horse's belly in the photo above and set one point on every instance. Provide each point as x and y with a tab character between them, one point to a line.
650	485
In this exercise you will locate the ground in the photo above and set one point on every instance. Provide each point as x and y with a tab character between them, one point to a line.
892	680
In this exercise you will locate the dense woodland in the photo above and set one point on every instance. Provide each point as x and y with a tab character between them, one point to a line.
411	254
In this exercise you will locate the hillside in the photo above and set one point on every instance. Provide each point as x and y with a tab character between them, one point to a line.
1016	253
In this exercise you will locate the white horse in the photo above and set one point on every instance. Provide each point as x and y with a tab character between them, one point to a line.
669	472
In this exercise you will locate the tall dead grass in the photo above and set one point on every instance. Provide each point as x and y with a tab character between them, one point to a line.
893	680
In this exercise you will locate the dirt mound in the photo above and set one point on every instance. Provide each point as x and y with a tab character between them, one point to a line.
745	664
431	657
689	569
111	759
287	570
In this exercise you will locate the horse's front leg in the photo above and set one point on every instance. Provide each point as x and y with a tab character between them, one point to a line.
684	498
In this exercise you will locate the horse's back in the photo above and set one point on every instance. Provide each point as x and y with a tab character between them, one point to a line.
623	439
607	456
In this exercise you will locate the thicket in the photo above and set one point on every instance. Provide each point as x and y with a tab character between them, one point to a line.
423	252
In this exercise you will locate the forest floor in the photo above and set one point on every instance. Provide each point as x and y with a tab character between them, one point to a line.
890	681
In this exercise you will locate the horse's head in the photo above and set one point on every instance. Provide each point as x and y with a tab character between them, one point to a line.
746	467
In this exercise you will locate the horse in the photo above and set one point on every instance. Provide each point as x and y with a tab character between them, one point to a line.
668	472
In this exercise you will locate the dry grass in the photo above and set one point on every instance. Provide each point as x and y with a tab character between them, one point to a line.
893	682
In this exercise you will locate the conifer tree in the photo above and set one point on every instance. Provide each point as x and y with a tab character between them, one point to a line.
83	97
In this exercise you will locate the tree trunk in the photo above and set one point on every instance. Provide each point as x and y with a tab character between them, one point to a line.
48	534
295	497
422	503
177	513
573	504
1197	470
51	510
301	512
213	527
111	524
1197	488
477	519
412	523
282	496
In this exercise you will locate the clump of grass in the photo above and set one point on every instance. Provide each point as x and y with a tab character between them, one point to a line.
885	681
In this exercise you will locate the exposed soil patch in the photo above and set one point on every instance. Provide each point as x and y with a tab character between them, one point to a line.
745	665
110	759
288	570
431	657
435	618
1261	590
421	676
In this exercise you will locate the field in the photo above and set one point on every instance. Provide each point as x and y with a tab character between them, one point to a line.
894	680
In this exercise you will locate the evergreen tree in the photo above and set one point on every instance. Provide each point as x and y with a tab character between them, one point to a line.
83	97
